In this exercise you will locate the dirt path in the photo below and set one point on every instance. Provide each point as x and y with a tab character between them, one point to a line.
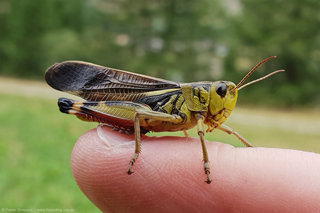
306	121
29	88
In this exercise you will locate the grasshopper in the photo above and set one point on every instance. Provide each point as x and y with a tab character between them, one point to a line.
134	103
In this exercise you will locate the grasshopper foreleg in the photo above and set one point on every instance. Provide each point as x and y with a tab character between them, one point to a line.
231	131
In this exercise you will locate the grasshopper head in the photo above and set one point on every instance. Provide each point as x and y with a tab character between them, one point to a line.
223	98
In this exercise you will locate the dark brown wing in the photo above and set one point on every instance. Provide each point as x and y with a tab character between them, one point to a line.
97	83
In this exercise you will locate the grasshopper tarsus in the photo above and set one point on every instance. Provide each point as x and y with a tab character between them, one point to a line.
208	181
207	172
133	159
129	172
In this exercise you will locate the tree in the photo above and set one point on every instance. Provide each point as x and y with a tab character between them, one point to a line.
286	29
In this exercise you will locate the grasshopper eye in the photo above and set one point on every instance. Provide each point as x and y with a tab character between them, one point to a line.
221	89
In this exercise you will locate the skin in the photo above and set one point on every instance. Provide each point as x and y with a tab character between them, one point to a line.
169	177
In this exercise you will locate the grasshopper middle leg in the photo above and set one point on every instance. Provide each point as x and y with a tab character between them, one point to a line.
137	144
143	114
204	148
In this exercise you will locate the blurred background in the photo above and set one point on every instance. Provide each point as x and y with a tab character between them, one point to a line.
178	40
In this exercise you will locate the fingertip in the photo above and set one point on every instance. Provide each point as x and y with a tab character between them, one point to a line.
164	174
98	166
169	177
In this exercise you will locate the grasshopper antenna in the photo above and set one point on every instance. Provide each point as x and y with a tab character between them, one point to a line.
259	79
254	81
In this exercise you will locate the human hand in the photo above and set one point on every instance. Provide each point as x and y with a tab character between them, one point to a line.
169	177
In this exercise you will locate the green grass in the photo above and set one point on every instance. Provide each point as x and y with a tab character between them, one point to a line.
36	141
35	146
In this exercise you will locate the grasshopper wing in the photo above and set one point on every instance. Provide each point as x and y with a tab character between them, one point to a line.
97	83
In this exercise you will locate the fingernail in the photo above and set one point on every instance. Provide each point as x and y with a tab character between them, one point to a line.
112	138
